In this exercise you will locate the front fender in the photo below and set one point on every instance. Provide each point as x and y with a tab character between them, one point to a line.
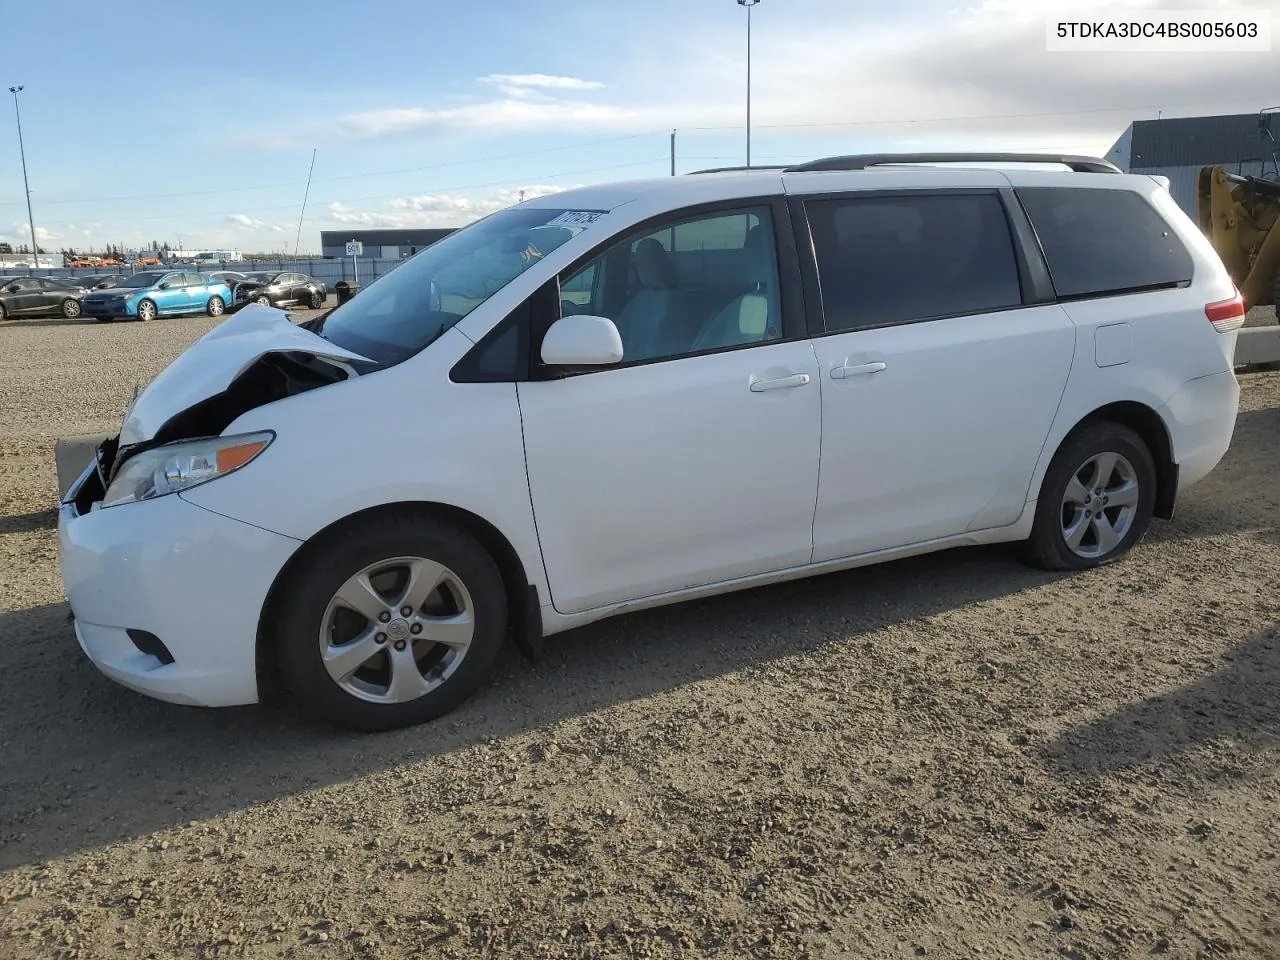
405	434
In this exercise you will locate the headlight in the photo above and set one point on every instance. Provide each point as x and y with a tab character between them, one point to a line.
179	466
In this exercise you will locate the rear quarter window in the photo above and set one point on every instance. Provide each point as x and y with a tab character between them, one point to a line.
1102	241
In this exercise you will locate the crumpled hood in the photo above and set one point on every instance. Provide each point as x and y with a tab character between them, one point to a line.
117	291
210	364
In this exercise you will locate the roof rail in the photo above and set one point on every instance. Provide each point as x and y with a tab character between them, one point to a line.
692	173
863	161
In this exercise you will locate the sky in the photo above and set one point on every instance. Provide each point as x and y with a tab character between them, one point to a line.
195	124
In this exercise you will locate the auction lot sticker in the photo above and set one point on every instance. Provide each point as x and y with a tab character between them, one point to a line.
576	218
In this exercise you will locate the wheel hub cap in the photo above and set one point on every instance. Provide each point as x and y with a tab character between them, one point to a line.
1099	505
396	630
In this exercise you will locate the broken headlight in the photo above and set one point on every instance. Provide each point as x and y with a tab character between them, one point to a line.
180	466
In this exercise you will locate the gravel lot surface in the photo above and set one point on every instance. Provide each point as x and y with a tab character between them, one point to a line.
951	756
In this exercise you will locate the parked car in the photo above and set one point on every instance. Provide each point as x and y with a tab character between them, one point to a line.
100	281
229	277
39	297
458	454
282	289
146	295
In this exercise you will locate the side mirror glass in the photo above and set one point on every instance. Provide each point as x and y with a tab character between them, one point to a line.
163	286
582	341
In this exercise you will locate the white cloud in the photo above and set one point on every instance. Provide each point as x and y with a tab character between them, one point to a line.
540	81
249	223
22	230
507	113
436	210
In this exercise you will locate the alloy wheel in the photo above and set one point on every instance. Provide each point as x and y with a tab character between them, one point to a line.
1099	505
397	630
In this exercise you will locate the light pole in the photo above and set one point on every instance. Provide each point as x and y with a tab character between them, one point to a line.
748	4
35	247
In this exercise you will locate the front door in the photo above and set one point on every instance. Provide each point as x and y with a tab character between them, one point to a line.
938	385
694	461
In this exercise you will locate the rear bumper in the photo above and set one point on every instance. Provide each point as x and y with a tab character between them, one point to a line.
1201	418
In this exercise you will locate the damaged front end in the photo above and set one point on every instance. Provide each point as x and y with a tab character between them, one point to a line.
250	361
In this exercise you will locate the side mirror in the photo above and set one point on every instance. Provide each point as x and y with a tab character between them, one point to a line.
163	286
582	341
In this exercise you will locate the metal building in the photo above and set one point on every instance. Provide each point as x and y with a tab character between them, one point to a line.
1178	147
380	244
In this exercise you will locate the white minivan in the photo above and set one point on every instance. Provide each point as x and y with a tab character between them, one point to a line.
623	396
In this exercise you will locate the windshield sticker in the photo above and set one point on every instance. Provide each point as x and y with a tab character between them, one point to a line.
577	218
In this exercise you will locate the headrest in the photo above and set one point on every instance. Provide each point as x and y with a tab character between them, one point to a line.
652	264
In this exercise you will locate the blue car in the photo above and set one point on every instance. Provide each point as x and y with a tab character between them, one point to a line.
155	293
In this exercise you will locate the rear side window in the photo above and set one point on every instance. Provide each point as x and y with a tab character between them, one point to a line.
1104	241
886	260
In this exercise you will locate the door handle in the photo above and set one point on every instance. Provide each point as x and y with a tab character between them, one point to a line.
843	372
795	380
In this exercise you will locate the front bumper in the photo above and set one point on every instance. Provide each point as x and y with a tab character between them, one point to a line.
117	309
192	578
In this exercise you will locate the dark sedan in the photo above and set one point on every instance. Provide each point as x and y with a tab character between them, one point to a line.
38	297
282	290
229	277
100	281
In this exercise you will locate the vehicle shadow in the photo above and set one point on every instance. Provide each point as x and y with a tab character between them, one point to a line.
29	522
119	765
1237	702
23	322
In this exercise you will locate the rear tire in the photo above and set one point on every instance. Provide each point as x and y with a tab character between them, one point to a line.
1096	500
216	306
311	622
4	314
146	310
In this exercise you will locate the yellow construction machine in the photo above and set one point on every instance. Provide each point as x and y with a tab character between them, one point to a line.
1241	217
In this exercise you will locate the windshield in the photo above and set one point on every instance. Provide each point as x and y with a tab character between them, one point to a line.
141	280
405	310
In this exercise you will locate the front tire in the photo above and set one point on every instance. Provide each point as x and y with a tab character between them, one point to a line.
350	654
1096	500
71	308
316	301
146	310
216	306
264	300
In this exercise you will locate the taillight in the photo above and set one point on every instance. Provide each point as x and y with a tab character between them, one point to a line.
1226	315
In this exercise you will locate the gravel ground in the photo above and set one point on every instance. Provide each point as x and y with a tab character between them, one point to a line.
950	756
